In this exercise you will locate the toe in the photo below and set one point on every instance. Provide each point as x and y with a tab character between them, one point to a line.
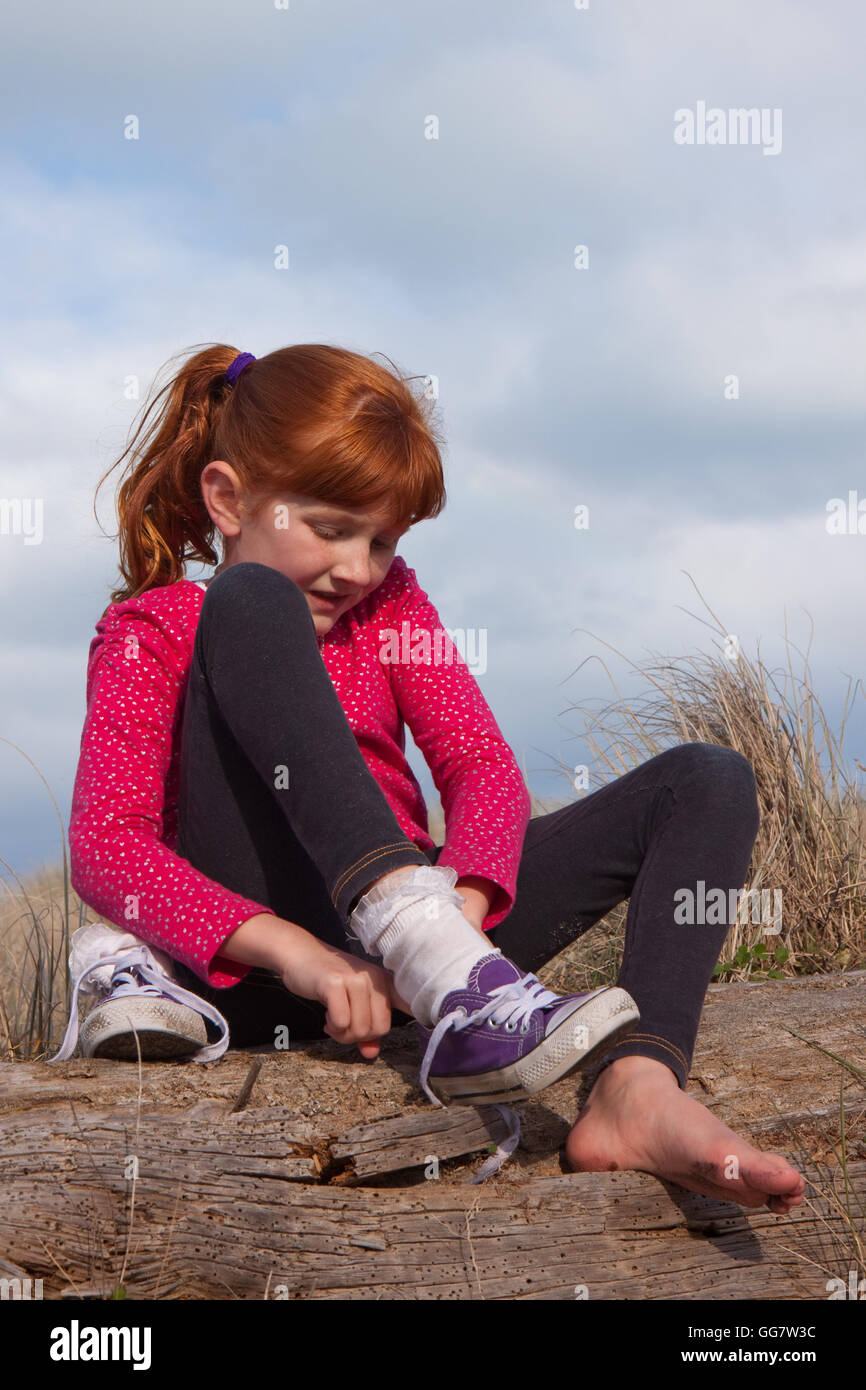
771	1174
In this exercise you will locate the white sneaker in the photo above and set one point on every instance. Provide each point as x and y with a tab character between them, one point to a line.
140	999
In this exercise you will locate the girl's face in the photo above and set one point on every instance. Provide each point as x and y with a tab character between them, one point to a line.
335	556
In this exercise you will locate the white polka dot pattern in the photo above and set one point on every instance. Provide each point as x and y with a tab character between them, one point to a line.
123	823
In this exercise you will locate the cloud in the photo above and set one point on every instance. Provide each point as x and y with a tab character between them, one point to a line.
455	257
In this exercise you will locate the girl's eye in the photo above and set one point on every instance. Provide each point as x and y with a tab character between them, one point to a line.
332	535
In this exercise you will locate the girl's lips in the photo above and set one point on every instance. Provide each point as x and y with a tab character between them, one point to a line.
333	599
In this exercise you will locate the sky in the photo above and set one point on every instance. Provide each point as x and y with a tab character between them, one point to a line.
693	376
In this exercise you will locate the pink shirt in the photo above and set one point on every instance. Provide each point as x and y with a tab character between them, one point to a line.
123	823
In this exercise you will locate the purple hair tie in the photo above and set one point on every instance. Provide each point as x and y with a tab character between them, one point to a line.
241	361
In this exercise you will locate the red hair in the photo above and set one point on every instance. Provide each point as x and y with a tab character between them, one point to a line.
311	419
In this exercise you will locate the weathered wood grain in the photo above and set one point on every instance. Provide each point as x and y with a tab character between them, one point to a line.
221	1227
389	1146
317	1187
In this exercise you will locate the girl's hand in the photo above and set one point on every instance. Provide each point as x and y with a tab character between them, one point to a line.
357	994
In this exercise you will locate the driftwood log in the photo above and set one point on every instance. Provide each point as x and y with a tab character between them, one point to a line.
314	1174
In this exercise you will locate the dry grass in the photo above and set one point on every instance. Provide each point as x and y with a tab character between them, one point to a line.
810	844
37	917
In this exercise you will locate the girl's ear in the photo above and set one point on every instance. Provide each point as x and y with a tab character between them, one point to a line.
223	496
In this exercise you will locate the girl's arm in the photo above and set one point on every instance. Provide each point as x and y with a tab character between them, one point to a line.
479	894
485	800
122	868
120	864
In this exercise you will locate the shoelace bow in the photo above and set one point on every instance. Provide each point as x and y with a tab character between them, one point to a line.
134	975
508	1004
513	1003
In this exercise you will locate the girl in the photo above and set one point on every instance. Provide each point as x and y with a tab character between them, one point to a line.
243	801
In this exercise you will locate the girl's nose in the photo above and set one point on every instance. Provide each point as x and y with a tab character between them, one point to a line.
353	573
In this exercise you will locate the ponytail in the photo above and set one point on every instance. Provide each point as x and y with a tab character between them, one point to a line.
312	419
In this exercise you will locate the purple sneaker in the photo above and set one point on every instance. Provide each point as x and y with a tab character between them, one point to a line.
505	1037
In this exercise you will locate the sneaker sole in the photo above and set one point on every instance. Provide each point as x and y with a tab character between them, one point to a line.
164	1030
607	1018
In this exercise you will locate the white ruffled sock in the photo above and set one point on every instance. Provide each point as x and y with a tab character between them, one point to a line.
426	941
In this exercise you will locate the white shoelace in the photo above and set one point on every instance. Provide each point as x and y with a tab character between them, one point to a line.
504	1150
376	915
136	973
513	1004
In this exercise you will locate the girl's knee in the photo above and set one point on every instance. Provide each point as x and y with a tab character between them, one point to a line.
249	574
245	604
718	768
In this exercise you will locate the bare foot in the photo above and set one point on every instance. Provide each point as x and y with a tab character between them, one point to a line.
636	1116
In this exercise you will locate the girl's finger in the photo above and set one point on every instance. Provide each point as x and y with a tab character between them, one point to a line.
381	1014
360	1003
337	1006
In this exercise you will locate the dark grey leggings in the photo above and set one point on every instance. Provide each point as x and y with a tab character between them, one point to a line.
261	712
